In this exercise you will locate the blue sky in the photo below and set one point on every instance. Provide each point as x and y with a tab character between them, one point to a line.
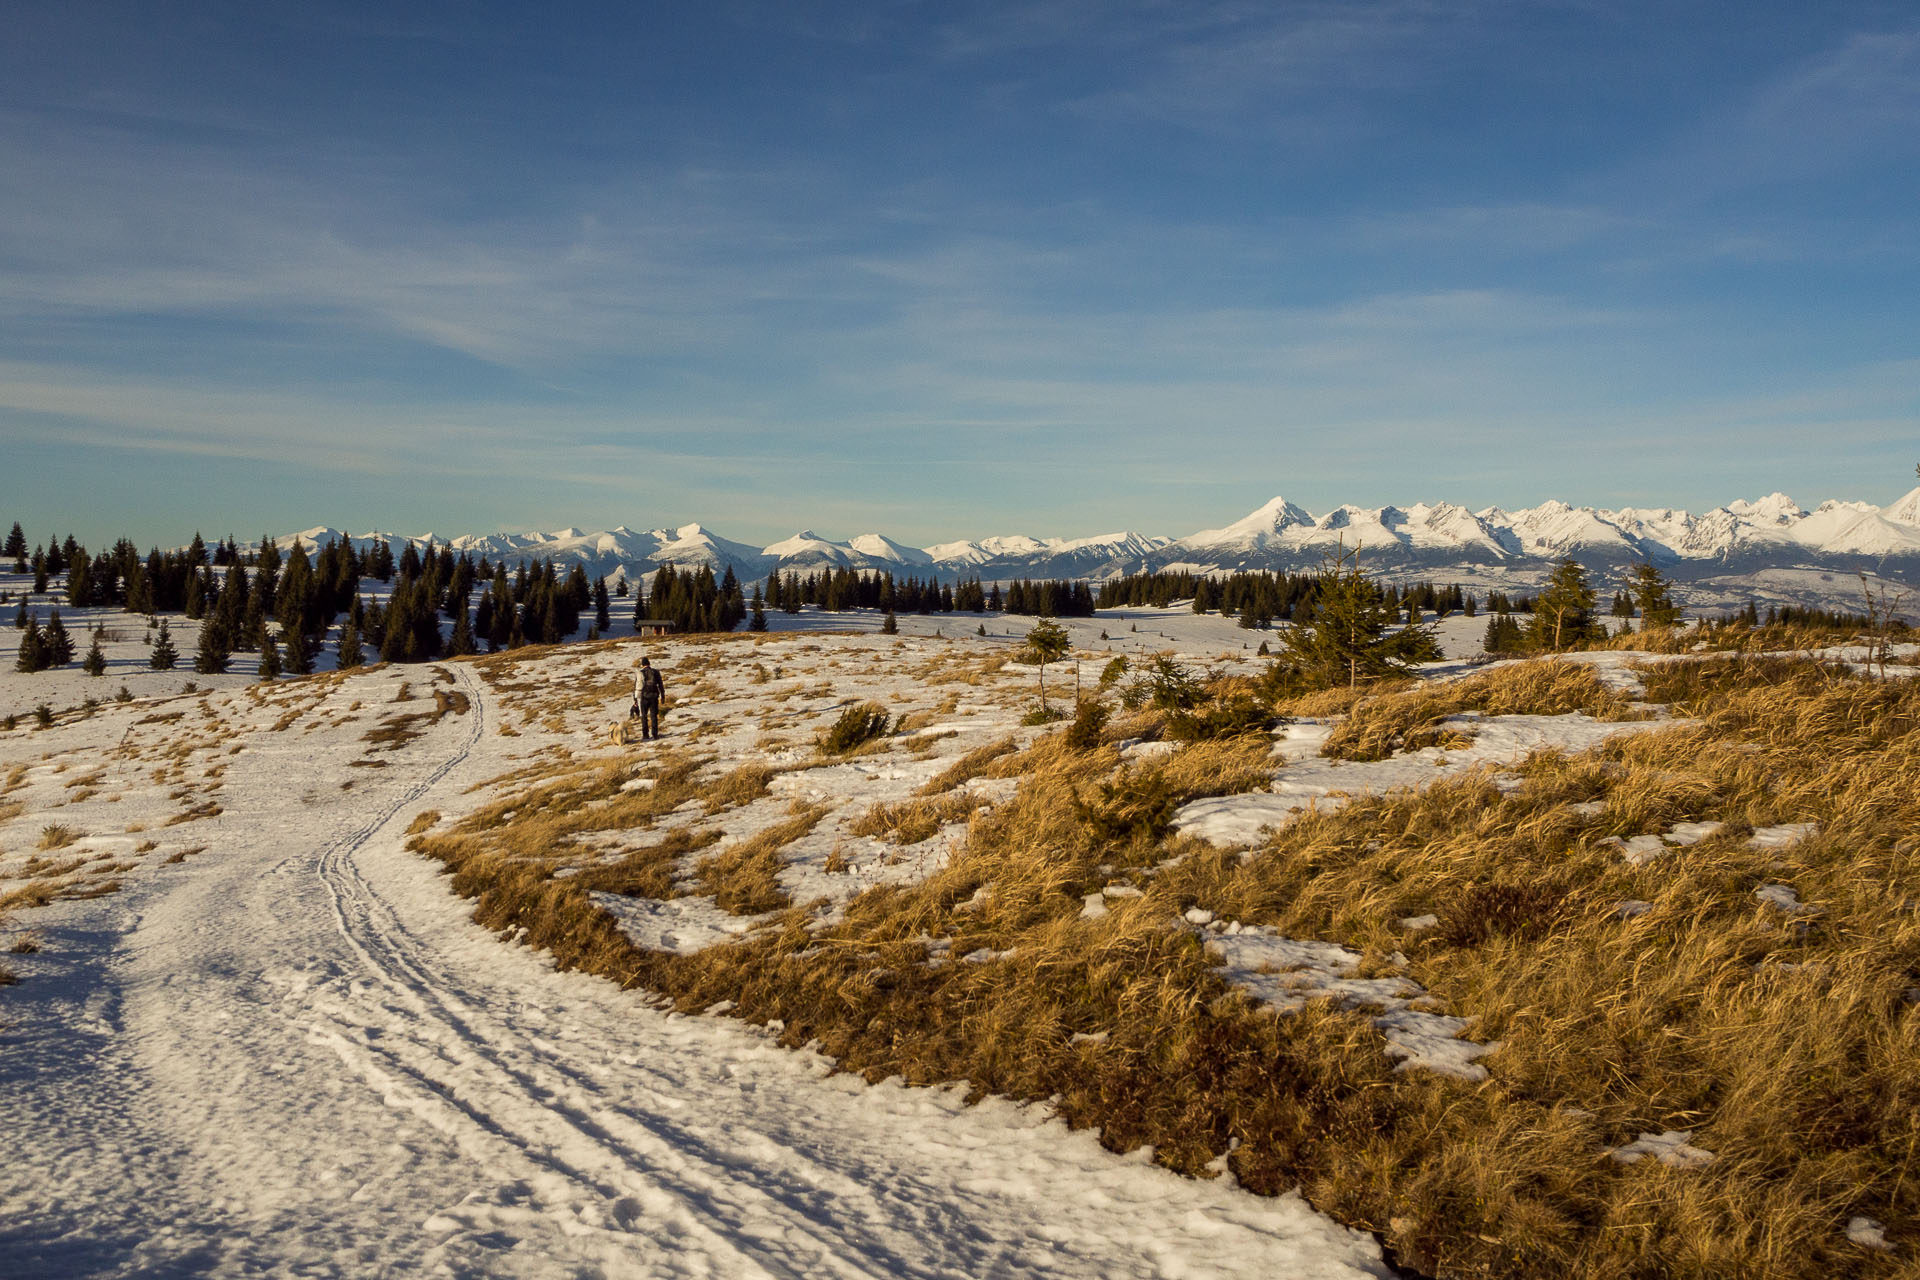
944	270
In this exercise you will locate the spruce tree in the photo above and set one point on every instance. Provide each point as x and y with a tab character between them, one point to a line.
20	616
229	611
758	620
602	606
59	643
460	643
1503	635
890	626
1653	596
1347	640
1563	611
80	580
253	623
16	548
269	660
164	655
95	663
296	604
296	652
1047	642
32	655
349	655
212	655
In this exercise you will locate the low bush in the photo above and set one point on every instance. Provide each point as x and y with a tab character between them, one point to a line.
1225	718
856	727
1088	722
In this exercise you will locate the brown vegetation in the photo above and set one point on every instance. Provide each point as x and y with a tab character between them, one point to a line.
1786	1043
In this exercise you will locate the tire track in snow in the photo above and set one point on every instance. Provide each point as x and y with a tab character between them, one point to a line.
654	1144
448	1068
496	1117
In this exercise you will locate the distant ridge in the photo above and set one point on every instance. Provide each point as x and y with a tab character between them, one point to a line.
1437	539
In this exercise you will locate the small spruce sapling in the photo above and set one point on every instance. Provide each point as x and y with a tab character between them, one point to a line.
32	654
164	655
1563	611
1047	642
1348	639
59	642
349	655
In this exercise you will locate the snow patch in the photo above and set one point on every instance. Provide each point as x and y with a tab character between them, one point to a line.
1284	973
1673	1148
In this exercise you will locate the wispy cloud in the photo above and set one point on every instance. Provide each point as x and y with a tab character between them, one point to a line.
1851	105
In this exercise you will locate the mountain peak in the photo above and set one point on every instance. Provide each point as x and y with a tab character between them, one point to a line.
1906	510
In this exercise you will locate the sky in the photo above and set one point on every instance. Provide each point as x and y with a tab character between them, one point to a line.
944	270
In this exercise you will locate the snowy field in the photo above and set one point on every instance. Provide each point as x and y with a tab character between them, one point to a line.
257	1036
254	1034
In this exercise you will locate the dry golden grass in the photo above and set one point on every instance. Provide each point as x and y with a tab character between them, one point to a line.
1384	724
647	872
1735	638
969	766
1789	1045
57	836
736	787
744	877
396	731
911	821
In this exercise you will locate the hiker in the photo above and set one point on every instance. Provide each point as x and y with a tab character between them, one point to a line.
648	690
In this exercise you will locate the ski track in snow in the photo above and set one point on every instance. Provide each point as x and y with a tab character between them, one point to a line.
296	1054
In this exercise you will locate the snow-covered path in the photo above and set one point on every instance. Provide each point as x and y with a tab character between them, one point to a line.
294	1054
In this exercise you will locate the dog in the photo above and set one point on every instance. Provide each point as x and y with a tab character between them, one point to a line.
624	732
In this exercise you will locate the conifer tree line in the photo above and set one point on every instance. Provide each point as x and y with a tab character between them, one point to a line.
235	595
1051	599
692	599
1258	599
836	590
1564	615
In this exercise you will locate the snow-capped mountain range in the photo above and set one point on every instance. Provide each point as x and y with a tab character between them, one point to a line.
1440	540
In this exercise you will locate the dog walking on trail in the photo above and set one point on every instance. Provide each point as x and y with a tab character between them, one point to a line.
648	690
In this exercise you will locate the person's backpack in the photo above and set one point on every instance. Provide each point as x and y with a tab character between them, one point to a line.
651	685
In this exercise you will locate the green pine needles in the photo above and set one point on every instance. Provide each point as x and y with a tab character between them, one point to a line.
1350	638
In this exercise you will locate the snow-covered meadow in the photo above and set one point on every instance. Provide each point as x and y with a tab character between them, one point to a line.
256	1033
